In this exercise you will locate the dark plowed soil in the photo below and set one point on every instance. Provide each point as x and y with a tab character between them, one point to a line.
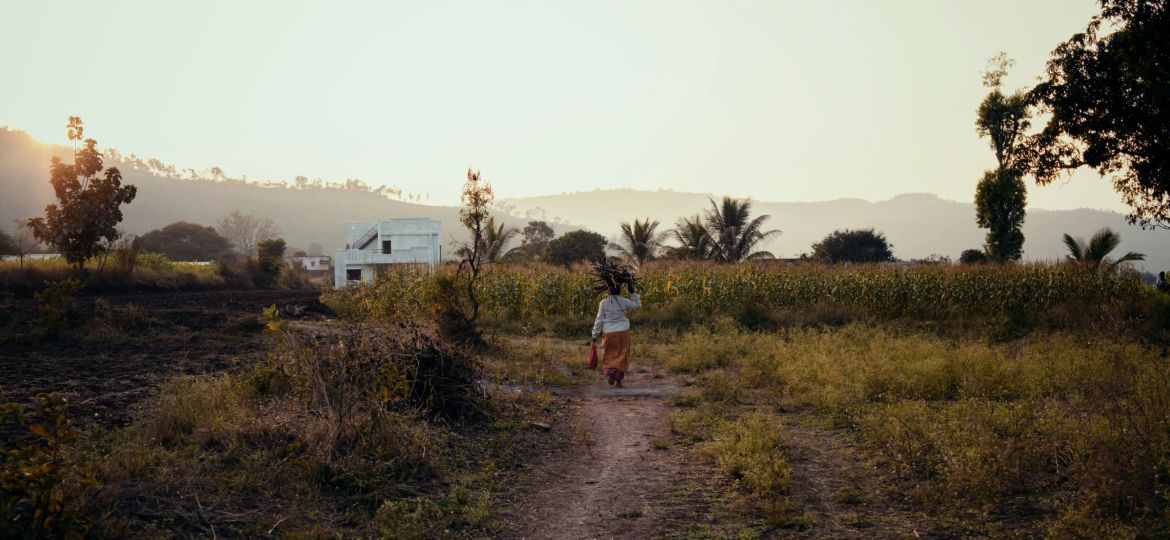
111	357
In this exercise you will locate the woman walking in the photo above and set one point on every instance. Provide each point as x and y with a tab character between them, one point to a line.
614	324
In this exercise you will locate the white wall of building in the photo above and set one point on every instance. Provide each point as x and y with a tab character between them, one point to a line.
411	241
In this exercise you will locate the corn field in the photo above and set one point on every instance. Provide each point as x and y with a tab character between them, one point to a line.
943	291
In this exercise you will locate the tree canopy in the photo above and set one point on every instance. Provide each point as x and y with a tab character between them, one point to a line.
89	202
183	241
1107	91
1000	198
536	236
860	246
576	246
973	256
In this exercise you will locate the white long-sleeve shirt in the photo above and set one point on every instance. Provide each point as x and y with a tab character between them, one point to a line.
611	314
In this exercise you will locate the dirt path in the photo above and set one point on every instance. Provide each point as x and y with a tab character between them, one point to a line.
619	478
617	475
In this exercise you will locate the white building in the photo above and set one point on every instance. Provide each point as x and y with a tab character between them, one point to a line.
310	263
389	241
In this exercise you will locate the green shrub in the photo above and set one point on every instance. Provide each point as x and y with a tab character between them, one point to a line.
55	304
41	487
752	450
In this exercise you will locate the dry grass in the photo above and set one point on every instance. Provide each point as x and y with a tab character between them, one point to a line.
152	273
1061	431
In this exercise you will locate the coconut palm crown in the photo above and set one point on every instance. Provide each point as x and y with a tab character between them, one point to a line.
1095	253
691	235
734	234
640	241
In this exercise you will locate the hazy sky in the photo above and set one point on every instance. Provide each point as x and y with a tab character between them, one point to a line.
785	101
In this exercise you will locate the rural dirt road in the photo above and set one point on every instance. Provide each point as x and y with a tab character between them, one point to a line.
620	478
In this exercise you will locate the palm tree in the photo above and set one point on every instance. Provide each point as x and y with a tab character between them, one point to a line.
1095	254
495	239
734	235
640	242
691	234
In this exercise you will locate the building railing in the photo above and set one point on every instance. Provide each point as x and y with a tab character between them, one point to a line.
375	256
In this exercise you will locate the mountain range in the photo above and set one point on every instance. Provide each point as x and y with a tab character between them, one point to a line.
918	225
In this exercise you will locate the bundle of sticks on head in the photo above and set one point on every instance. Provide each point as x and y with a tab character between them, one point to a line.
612	276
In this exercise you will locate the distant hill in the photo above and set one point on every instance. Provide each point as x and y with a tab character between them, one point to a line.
303	215
919	225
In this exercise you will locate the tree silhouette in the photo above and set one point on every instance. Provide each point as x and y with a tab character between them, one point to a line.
1095	253
1000	197
860	246
1106	93
477	198
183	241
640	241
576	246
734	235
973	256
694	242
89	202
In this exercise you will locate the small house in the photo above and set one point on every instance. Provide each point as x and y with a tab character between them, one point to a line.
313	264
387	242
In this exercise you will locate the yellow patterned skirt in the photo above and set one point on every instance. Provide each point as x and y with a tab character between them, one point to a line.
616	352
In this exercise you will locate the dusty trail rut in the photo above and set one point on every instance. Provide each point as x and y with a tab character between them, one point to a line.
619	479
620	476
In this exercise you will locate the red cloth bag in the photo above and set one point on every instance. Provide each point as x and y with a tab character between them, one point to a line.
593	356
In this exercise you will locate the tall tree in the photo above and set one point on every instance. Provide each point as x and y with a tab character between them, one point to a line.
691	235
22	240
999	207
860	246
477	198
734	234
1107	94
270	260
246	231
1095	253
640	241
1001	196
537	235
89	202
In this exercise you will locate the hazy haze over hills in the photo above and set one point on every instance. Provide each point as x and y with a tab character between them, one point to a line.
304	216
919	225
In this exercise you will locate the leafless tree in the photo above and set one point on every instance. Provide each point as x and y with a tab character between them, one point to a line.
23	241
245	231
